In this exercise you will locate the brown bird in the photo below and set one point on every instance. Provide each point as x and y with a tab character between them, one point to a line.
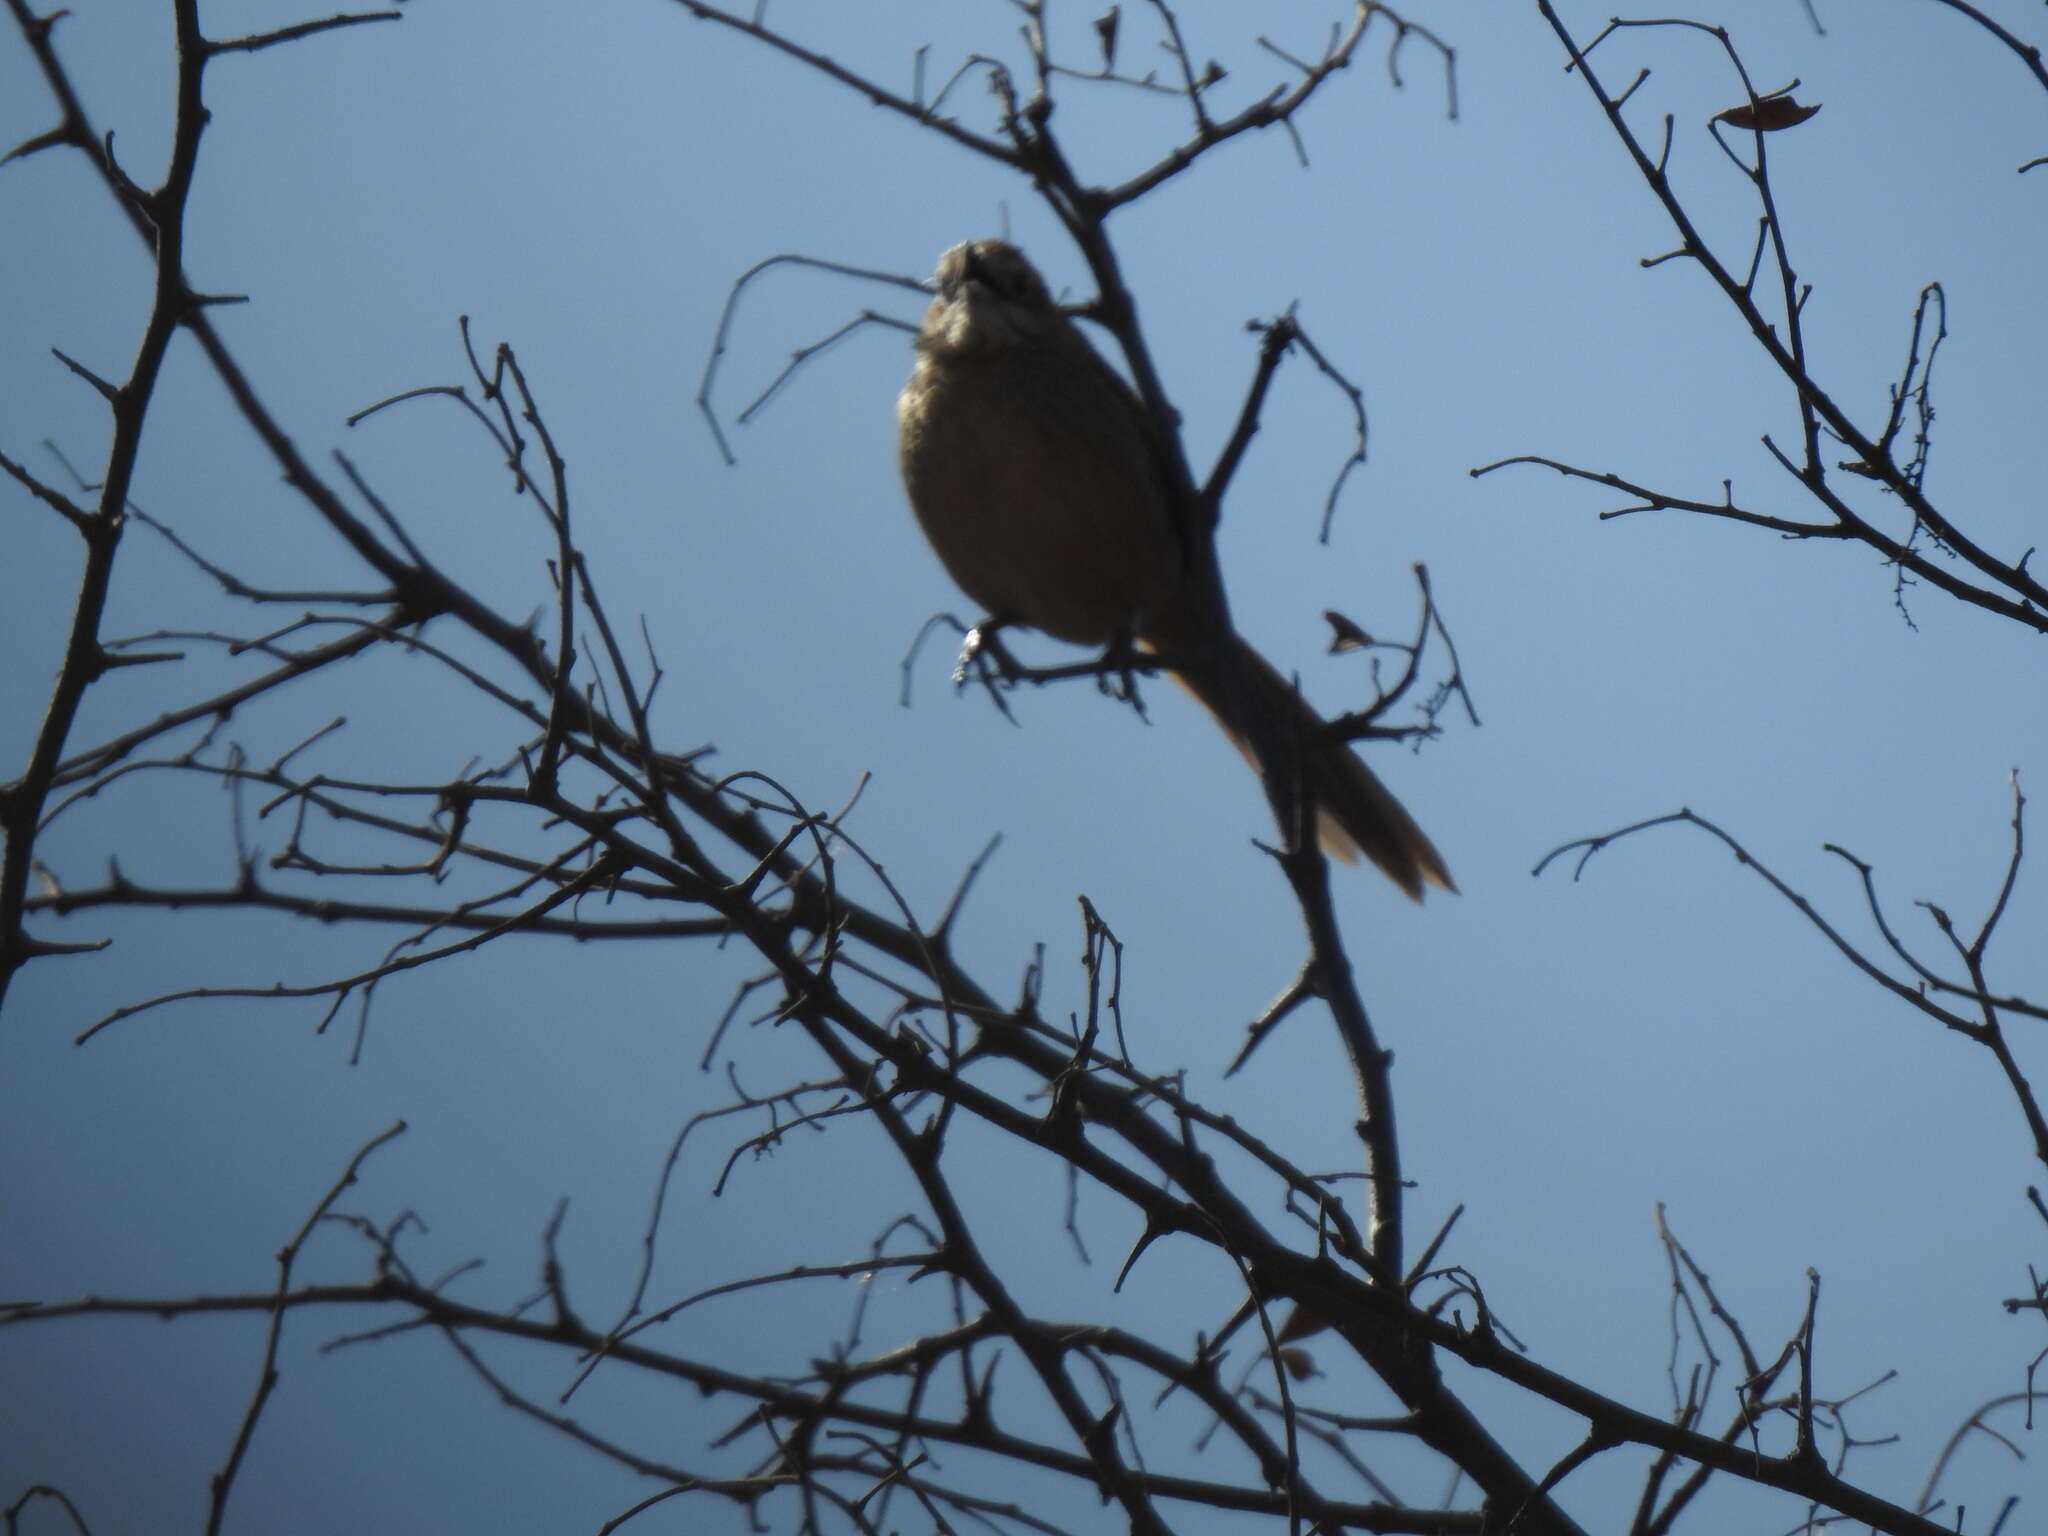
1031	469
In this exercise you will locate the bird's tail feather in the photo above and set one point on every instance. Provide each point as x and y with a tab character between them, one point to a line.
1355	813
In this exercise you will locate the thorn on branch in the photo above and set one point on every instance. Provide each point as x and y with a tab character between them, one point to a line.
108	392
67	134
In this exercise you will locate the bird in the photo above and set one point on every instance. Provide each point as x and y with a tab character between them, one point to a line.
1031	468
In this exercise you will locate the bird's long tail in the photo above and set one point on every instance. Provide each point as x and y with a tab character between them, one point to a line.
1355	813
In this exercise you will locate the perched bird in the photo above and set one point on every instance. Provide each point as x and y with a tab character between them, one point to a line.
1032	470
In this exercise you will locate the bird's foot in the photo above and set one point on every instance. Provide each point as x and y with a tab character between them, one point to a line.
984	658
1117	673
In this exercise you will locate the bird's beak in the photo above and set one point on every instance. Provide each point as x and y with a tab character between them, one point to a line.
971	268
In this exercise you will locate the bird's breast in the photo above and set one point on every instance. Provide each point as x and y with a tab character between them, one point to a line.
1034	484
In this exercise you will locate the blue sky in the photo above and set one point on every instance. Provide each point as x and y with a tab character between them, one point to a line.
1569	1053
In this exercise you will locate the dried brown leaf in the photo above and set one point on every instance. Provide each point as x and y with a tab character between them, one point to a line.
1768	115
1344	634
